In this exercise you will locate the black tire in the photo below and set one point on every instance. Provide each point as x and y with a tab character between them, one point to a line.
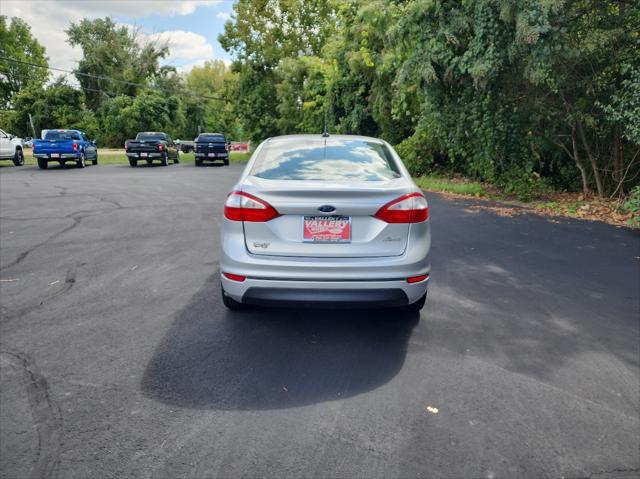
417	306
177	160
18	157
95	160
226	162
165	161
82	162
42	163
231	303
133	163
198	162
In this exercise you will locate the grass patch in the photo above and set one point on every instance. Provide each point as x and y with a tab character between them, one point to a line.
447	185
116	156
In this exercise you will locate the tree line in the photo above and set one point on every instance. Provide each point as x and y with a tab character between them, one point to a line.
529	95
120	87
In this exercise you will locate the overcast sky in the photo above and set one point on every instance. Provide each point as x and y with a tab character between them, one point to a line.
190	28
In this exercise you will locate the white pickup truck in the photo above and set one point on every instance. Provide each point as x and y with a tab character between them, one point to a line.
11	148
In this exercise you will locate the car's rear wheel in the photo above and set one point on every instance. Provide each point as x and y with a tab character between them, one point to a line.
417	306
133	163
18	158
81	163
230	303
198	162
165	161
42	164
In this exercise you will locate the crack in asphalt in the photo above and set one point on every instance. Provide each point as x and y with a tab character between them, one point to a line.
77	218
46	414
69	281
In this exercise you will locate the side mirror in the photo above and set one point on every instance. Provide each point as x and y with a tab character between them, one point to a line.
11	137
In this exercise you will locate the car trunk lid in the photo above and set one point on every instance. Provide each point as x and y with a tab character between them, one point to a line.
294	200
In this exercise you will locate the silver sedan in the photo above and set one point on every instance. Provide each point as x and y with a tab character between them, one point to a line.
325	221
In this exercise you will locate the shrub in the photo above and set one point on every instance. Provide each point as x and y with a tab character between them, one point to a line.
632	205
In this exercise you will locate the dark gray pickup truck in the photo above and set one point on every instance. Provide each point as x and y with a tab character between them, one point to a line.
152	145
210	147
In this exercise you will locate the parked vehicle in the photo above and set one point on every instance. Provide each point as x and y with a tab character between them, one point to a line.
325	220
152	145
210	147
186	146
11	148
65	146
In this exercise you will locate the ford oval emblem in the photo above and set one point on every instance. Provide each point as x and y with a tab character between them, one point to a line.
326	209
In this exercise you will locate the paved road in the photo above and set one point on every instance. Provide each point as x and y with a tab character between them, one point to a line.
118	359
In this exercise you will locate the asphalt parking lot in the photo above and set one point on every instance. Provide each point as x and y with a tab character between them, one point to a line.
119	360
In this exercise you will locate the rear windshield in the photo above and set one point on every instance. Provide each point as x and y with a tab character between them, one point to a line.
62	135
330	159
216	138
151	136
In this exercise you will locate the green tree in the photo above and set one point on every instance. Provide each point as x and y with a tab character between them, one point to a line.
262	34
113	51
121	117
57	106
16	42
209	102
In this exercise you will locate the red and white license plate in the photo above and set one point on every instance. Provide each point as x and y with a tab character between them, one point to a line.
55	155
326	229
211	155
143	154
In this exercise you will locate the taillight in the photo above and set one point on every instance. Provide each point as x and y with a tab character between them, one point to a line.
242	206
160	147
234	277
417	279
195	147
125	147
75	147
410	208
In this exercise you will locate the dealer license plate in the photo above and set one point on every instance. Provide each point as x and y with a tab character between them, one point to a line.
326	229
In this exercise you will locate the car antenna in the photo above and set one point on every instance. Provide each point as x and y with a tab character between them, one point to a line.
325	133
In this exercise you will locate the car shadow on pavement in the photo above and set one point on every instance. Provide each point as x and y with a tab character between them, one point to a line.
264	358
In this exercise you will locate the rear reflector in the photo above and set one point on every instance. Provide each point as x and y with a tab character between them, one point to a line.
234	277
242	206
410	208
417	279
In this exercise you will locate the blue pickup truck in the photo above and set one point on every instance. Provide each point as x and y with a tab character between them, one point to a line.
64	146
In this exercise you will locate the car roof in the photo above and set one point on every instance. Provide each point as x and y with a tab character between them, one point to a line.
307	137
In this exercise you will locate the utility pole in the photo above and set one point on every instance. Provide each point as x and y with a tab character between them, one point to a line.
33	128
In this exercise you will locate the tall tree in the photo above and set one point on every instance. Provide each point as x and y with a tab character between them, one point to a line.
17	43
259	36
113	51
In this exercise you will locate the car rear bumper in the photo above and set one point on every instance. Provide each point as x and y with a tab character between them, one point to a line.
350	294
219	156
61	156
359	277
139	156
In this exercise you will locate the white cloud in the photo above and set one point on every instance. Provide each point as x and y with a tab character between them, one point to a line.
224	16
183	45
48	20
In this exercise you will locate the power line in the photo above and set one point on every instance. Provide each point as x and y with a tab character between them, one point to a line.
104	77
